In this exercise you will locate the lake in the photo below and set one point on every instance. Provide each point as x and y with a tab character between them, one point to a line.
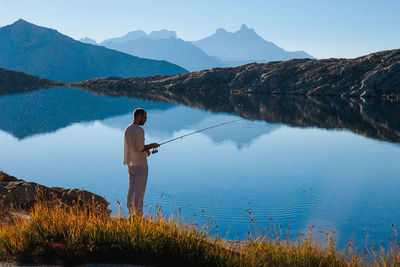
298	162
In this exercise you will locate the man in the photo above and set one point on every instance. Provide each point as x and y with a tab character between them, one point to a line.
135	157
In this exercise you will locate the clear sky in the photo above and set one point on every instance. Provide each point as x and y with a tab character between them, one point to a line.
334	28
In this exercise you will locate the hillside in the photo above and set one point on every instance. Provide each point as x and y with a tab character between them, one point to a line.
12	82
49	54
374	75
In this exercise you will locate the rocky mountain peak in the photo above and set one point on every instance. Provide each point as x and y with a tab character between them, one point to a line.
134	35
162	34
26	26
21	22
88	40
247	32
220	30
245	28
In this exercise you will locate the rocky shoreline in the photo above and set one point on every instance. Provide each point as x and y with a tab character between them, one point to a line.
17	194
373	75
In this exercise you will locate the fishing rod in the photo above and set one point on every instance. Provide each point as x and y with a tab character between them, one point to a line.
198	131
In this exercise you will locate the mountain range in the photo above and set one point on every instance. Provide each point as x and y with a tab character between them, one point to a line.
134	35
244	46
166	46
49	54
222	49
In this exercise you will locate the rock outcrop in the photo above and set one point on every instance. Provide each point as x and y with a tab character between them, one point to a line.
12	82
19	194
374	75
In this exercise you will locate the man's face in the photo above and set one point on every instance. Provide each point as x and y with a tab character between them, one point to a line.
143	119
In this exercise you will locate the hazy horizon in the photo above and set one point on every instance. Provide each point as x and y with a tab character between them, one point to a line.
330	29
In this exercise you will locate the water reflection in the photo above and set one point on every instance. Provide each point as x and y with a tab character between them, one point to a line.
47	110
164	124
370	117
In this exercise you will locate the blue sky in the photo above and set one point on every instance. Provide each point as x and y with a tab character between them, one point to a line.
322	28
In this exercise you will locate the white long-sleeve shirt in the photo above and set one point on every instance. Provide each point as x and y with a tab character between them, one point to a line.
133	146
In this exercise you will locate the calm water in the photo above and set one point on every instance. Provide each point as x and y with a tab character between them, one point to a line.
333	179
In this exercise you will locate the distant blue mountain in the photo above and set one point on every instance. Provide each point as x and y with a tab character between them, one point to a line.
244	46
87	40
222	49
134	35
49	54
163	45
162	34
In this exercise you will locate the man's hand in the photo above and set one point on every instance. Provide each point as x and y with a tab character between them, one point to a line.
154	145
148	152
150	146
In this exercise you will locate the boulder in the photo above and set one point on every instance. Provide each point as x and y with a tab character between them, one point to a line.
16	193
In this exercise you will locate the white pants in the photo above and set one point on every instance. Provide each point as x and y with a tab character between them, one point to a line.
137	187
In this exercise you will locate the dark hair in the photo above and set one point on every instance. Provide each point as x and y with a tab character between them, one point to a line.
138	112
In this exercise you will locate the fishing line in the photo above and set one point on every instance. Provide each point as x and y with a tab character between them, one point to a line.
198	131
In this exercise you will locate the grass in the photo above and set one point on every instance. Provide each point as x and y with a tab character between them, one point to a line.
72	235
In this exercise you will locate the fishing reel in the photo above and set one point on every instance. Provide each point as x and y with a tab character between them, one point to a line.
154	151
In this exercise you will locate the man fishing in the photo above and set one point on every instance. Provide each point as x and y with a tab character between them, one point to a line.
135	157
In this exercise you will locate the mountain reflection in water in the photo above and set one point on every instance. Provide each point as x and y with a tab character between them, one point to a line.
48	110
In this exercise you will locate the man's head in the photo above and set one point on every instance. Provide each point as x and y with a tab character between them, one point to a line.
139	116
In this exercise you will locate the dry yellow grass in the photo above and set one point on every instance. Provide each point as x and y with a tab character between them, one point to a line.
56	233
